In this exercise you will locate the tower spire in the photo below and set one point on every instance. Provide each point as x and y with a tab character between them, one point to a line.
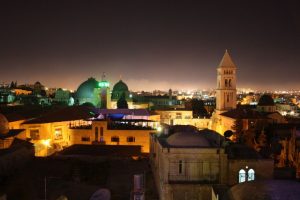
226	61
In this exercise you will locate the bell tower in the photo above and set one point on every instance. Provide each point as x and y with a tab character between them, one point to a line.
226	84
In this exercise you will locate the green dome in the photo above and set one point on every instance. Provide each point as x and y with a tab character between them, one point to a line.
266	100
86	89
120	87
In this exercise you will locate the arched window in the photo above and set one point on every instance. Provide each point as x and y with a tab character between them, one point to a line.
242	176
225	82
229	83
251	175
227	97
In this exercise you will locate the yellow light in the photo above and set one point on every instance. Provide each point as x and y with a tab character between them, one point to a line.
159	129
46	142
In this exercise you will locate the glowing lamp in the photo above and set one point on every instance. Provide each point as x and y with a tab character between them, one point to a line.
159	129
46	142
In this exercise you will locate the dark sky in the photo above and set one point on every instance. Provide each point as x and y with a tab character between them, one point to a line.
151	44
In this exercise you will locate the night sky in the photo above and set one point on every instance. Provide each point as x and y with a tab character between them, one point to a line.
151	44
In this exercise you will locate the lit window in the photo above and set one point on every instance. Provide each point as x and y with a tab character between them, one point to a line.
130	139
178	115
34	134
242	176
251	175
58	134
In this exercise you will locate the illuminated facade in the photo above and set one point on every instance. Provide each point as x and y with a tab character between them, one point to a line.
225	94
8	134
77	125
128	132
182	117
226	84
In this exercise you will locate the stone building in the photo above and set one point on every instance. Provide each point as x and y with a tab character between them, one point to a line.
58	129
227	113
187	163
182	117
8	135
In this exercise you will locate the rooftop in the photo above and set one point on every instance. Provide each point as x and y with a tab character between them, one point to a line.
185	136
64	114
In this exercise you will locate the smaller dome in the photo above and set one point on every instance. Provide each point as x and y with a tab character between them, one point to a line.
266	100
4	128
120	87
188	139
265	190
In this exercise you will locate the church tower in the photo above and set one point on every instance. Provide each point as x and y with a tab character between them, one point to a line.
226	84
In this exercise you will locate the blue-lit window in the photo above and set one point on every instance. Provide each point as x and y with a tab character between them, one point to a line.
251	175
242	176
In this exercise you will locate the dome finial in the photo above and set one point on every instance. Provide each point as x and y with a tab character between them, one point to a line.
120	76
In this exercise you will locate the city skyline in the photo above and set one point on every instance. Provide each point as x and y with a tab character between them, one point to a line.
151	45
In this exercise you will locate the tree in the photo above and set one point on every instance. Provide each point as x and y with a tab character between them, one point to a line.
122	103
238	129
228	134
197	106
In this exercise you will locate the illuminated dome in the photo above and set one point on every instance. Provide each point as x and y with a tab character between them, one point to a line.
4	128
120	86
266	100
188	139
85	92
265	190
118	89
86	89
